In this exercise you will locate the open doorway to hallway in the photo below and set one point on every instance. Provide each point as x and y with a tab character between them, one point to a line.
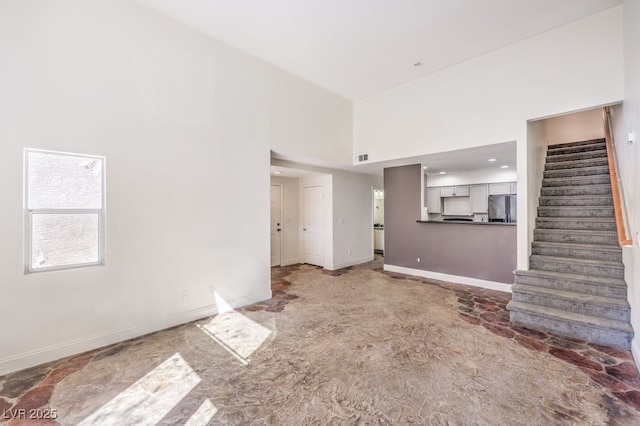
276	225
378	220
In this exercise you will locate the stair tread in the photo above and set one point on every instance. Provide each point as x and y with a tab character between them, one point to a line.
585	218
599	185
604	263
599	322
574	197
577	231
574	296
587	168
581	155
579	177
561	244
598	160
575	149
596	141
575	207
564	276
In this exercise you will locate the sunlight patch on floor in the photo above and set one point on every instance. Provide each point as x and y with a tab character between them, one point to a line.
203	414
149	399
237	334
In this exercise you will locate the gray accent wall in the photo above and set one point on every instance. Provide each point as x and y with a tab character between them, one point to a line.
486	252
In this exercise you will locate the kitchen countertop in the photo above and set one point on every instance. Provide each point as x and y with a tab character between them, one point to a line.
469	223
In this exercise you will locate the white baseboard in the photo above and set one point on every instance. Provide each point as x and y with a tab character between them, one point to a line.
475	282
55	352
635	351
290	262
350	263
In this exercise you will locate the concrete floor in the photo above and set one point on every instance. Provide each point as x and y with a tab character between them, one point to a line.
355	346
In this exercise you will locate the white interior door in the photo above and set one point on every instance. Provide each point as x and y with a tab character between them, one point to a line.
276	222
313	224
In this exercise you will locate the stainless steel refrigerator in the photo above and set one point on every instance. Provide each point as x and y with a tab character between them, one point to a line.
502	208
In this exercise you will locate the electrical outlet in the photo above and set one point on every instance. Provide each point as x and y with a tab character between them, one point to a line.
185	294
349	252
211	291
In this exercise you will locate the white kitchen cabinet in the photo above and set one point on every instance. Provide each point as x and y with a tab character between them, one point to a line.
434	203
500	188
503	188
479	195
454	191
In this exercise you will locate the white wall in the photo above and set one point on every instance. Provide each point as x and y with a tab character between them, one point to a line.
580	126
353	218
186	125
489	99
290	220
322	128
627	119
535	159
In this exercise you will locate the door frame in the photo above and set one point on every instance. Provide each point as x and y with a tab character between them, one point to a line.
281	214
373	215
324	222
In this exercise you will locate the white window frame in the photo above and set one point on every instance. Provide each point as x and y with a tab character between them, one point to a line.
28	238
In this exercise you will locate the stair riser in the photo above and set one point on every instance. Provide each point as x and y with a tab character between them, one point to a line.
606	337
572	211
578	143
576	268
551	151
610	239
595	289
577	224
577	156
579	253
599	201
580	171
565	165
595	310
577	181
585	190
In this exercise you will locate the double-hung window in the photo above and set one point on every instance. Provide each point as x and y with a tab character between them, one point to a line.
64	210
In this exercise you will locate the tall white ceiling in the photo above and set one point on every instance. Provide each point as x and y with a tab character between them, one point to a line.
356	48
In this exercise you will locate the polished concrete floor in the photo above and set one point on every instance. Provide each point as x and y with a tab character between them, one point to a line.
355	346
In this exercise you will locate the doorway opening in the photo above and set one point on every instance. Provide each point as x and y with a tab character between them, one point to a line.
276	225
313	225
378	221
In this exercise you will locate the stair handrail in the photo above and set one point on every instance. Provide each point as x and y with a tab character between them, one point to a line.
613	175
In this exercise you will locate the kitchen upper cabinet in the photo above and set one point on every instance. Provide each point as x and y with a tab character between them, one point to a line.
502	188
434	203
479	198
454	191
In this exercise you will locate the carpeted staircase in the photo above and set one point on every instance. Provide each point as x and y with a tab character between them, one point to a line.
575	285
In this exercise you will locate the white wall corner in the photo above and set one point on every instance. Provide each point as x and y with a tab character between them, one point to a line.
350	263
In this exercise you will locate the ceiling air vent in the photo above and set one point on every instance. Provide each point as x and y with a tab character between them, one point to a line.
362	157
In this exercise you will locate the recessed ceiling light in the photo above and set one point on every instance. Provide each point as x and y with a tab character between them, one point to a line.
277	172
425	167
443	173
492	159
504	167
